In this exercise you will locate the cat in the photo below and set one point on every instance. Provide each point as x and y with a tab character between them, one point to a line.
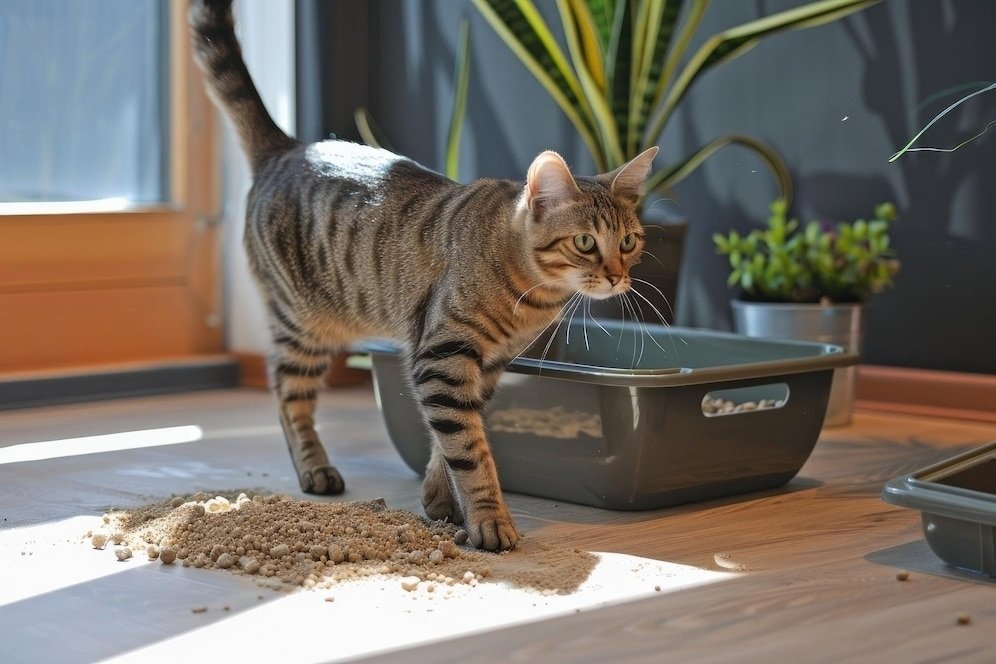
348	242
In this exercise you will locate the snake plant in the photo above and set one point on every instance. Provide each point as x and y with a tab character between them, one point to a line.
628	66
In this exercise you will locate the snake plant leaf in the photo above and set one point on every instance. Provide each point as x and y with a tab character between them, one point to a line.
618	63
589	40
602	13
462	78
660	18
736	41
665	179
523	30
594	95
370	131
676	54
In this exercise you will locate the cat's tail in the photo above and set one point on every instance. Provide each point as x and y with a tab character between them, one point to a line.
219	55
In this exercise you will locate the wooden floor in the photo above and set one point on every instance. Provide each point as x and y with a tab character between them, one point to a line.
815	562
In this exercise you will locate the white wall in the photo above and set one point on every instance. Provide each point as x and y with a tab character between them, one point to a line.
266	31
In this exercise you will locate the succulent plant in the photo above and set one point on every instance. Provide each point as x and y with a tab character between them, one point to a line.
788	262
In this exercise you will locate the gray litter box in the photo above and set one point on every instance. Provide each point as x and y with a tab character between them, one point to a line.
957	498
620	420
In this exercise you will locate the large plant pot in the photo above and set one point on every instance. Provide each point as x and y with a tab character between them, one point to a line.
839	324
660	266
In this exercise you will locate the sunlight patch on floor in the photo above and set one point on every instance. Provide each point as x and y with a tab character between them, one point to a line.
48	557
376	615
111	442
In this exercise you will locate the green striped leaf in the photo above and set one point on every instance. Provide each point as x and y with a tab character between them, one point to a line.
522	29
618	62
461	81
665	179
603	13
589	41
607	132
661	20
674	57
732	43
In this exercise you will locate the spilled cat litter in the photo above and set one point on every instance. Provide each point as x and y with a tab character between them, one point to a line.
157	606
283	543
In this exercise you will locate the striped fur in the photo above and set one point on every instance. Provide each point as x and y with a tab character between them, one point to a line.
348	242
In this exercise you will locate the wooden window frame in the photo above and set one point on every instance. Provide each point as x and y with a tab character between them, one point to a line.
83	288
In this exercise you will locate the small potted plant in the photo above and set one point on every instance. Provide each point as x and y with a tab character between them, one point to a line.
811	282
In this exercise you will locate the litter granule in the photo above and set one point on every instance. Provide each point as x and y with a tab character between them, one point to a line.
286	543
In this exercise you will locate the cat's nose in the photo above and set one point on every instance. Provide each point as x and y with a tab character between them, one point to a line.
613	278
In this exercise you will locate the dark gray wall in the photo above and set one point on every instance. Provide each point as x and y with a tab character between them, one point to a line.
837	101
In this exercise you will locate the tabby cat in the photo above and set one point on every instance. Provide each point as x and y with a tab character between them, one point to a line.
349	242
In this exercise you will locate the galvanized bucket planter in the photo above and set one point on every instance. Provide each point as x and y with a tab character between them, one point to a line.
839	324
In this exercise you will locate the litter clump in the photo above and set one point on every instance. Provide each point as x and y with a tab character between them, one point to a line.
283	543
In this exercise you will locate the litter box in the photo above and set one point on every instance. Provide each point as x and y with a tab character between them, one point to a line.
957	498
621	417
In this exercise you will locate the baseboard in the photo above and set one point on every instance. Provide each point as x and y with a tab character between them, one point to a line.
253	373
927	392
252	370
113	382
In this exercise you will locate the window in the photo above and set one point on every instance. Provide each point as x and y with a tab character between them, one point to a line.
108	246
86	101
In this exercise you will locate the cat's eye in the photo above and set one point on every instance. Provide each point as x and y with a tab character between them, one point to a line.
585	242
628	242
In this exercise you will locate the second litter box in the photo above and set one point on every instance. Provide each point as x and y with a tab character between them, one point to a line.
957	501
633	417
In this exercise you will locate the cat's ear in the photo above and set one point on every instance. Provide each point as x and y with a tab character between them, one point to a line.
549	182
625	181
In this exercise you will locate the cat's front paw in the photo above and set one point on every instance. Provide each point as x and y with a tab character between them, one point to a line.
493	533
322	481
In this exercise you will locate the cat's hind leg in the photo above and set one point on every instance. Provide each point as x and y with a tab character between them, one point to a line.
298	372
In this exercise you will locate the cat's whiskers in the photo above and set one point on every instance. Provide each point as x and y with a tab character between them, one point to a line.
559	319
622	327
595	320
663	321
636	328
584	322
546	349
532	288
577	304
656	310
651	254
663	298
